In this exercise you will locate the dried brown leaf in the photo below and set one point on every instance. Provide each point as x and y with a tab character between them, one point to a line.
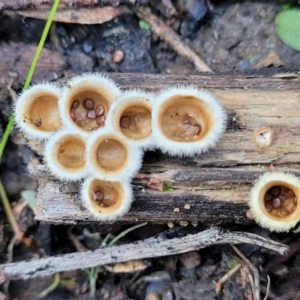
271	59
95	15
128	266
152	182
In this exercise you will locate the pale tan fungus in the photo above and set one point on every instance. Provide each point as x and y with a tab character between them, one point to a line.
170	224
111	155
263	136
113	196
185	119
43	114
282	204
71	152
79	115
183	223
138	125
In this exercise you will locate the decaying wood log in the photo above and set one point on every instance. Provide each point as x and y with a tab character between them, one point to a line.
161	245
216	184
21	4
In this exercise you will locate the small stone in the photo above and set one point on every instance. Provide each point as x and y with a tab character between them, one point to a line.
269	207
125	122
75	104
87	47
100	121
288	193
275	191
99	111
98	196
268	197
276	202
176	210
89	104
91	114
118	56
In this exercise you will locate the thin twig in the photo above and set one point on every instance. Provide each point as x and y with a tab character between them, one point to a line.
153	247
13	223
268	288
172	38
253	269
123	233
220	282
51	288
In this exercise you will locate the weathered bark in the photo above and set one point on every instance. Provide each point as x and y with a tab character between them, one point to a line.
21	4
221	178
162	245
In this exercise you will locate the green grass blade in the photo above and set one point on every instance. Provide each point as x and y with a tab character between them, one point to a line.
30	73
123	233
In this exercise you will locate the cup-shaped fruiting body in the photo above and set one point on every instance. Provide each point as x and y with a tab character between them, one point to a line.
65	155
111	157
36	111
131	115
275	201
86	100
187	121
106	200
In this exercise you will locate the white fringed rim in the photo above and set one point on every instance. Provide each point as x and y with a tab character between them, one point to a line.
136	107
118	191
111	157
187	102
65	155
97	87
257	201
36	111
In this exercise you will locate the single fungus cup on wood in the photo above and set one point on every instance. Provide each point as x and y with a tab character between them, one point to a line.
106	200
36	111
86	100
187	121
275	201
65	155
131	116
111	157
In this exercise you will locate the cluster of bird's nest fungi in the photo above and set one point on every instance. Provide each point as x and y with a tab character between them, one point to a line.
95	132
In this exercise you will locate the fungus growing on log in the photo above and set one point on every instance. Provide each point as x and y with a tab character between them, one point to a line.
36	111
275	201
110	156
187	121
106	200
86	100
131	115
65	155
93	129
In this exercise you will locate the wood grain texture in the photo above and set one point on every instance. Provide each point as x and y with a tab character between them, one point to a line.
216	184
